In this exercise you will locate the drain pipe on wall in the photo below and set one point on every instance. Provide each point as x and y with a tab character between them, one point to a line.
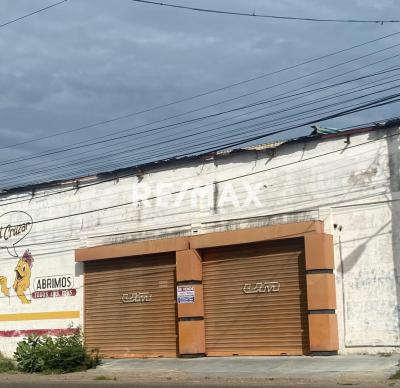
343	289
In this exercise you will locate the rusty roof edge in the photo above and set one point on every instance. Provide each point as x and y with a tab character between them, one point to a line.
137	170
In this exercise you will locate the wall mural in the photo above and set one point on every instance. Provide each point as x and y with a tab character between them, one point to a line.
14	227
23	273
31	288
57	286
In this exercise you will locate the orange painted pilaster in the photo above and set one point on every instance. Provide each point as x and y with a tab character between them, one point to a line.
319	251
321	293
323	332
188	266
196	309
192	338
189	276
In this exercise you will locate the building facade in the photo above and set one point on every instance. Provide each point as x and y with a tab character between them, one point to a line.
288	248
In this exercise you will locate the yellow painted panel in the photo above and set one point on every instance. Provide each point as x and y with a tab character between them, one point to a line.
40	316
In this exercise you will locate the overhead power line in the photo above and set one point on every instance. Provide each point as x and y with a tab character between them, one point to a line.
213	91
258	15
28	197
80	146
139	146
93	162
128	132
32	13
114	206
233	142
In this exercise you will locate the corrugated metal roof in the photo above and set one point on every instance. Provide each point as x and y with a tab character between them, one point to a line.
324	131
317	133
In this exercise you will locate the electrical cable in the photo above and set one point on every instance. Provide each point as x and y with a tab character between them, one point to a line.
101	180
377	102
32	13
356	106
205	93
220	181
335	95
288	96
79	145
257	15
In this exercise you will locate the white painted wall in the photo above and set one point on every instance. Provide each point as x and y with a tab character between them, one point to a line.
353	186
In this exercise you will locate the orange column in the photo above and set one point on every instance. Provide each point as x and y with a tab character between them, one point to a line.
189	276
321	293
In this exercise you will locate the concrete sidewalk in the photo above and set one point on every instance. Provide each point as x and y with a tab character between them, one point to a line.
363	368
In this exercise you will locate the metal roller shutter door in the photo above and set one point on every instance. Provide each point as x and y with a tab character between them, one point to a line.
255	299
131	329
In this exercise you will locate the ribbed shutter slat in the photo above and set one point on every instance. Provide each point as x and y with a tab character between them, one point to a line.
258	323
120	329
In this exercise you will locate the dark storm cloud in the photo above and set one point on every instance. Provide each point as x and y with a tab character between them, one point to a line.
90	60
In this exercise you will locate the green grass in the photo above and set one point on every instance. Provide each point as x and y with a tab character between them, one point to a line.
105	378
6	364
395	376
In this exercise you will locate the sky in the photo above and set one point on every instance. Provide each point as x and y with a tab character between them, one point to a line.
87	61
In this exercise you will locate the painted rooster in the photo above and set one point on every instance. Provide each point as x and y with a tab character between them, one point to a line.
22	278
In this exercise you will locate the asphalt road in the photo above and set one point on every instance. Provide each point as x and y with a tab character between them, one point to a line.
104	384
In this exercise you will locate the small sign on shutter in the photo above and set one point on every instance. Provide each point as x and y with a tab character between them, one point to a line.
185	294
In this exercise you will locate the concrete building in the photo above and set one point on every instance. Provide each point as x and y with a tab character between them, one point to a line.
284	248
